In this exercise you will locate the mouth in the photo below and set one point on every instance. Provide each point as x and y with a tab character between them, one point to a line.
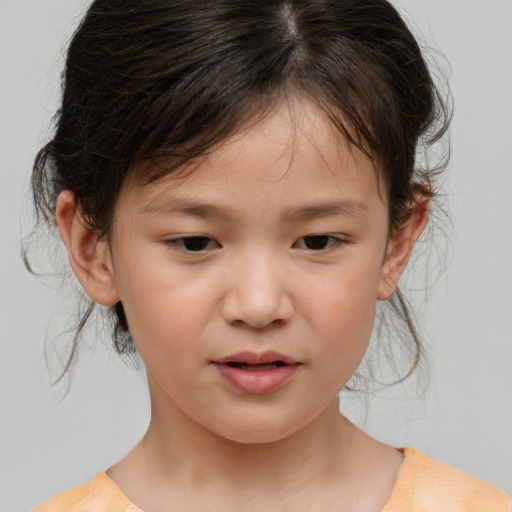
253	373
253	360
256	367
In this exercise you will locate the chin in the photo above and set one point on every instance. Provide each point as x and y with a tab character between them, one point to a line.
256	429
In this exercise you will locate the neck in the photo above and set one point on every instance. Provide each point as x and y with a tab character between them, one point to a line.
326	464
176	447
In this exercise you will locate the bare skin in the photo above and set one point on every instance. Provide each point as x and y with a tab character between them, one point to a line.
277	242
329	468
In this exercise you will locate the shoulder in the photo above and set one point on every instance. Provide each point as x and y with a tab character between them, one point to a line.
99	495
426	485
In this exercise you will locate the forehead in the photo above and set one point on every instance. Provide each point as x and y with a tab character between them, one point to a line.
294	155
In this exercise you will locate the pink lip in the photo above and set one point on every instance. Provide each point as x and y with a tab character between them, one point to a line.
256	381
252	358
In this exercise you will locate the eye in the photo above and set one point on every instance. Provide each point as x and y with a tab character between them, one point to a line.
194	243
318	242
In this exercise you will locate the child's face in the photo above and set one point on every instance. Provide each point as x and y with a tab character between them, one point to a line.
288	254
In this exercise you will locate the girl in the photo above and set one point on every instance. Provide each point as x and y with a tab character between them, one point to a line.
237	182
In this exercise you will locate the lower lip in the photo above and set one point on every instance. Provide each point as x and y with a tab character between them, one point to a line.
257	382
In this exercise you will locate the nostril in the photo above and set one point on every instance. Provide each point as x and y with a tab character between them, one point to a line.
257	306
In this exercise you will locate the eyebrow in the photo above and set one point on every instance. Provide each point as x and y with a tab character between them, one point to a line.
347	207
201	210
190	208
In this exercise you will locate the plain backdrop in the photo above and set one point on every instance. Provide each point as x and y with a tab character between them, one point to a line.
50	442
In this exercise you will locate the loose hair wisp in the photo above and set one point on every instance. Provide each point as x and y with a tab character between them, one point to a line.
151	84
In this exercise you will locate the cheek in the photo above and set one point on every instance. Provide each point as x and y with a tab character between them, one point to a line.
165	331
344	312
166	315
165	309
347	327
348	296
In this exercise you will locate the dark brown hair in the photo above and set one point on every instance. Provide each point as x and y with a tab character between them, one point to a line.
166	80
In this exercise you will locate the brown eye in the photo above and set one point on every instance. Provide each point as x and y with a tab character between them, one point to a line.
193	243
318	242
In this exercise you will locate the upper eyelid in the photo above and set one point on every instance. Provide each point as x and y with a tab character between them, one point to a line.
173	242
337	238
198	235
341	238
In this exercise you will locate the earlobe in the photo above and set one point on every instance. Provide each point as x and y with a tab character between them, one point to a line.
401	246
89	257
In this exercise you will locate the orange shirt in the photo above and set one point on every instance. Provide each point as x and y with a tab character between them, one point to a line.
423	485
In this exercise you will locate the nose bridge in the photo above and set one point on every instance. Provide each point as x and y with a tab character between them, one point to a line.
258	293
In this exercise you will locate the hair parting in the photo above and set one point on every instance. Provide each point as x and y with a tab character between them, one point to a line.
151	85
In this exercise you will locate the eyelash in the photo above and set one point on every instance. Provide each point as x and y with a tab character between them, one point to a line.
181	243
334	241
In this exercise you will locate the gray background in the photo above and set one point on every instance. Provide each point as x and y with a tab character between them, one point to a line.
49	442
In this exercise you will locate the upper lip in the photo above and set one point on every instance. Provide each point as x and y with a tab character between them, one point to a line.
254	358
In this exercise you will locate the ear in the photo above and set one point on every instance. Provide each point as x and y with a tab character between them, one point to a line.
89	257
400	247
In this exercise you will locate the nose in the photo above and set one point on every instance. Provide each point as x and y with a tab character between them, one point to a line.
258	295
